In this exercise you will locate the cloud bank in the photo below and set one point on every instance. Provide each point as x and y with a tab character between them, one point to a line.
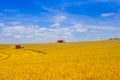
37	34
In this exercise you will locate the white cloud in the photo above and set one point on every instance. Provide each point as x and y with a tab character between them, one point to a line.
15	22
1	24
50	9
79	28
59	18
33	33
107	14
111	28
56	25
93	31
11	10
117	1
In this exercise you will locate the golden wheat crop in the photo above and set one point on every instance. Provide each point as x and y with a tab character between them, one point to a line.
97	60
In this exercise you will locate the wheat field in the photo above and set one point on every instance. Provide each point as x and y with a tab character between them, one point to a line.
93	60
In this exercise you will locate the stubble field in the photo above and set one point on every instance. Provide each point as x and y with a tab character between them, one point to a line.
95	60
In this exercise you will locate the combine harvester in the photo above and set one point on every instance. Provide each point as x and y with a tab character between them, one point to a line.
17	46
60	41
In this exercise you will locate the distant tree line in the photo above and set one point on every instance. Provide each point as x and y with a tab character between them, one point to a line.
114	38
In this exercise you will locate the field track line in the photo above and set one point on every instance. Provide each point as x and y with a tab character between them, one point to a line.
18	53
8	56
36	51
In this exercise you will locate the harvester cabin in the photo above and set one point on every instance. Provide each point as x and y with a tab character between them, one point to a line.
17	46
60	41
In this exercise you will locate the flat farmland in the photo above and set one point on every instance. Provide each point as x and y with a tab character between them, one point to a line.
92	60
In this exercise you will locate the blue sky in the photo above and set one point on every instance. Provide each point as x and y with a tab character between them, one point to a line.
36	21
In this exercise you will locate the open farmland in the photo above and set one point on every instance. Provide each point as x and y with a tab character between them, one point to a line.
95	60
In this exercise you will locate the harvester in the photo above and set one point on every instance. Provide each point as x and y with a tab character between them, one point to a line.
17	46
